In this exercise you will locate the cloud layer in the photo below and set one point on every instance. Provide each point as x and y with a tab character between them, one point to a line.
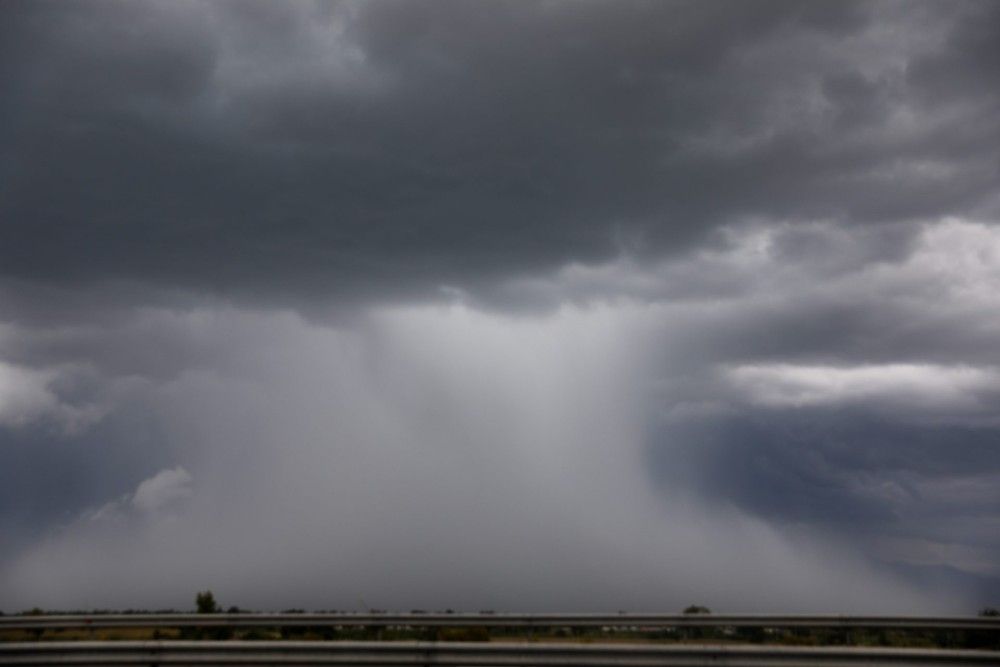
325	148
554	305
336	469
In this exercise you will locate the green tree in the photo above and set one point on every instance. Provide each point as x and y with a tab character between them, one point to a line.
205	602
697	609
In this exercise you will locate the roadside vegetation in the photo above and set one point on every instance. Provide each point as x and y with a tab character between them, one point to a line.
205	603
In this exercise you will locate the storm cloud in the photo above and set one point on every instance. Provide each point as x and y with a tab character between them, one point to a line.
512	305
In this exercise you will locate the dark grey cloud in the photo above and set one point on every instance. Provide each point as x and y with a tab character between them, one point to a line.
806	466
49	477
388	147
461	305
908	492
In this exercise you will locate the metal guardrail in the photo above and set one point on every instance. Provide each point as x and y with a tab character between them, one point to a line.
491	620
432	654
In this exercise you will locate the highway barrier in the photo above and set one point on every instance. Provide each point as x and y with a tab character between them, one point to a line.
491	620
474	654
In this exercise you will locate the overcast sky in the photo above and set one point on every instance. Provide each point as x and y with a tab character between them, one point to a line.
525	306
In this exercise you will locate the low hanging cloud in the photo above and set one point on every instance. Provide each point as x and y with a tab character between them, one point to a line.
23	395
431	455
336	470
911	387
162	490
26	397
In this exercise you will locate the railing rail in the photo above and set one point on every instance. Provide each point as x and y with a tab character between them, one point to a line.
491	620
432	654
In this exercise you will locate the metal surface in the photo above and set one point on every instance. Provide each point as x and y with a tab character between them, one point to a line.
417	620
471	654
